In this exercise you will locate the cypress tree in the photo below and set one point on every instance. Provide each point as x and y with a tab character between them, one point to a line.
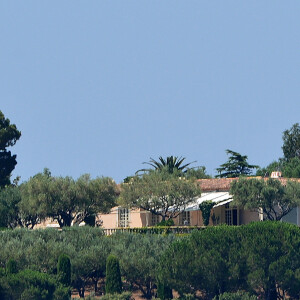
113	282
64	269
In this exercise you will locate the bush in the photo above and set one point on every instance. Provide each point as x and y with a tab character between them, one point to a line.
113	282
27	285
64	269
240	295
122	296
169	222
11	267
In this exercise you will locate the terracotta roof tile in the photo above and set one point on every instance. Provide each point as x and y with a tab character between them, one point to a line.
223	184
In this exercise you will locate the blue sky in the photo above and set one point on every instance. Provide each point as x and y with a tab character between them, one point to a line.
101	86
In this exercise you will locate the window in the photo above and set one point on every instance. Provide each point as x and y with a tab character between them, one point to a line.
231	215
123	217
185	218
155	219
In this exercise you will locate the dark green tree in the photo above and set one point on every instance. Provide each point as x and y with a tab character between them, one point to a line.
113	283
8	137
64	269
291	142
10	197
236	166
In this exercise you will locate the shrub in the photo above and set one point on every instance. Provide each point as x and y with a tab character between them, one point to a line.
11	267
27	285
122	296
64	269
240	295
113	282
169	222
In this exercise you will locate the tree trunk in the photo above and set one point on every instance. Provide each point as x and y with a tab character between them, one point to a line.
81	292
95	285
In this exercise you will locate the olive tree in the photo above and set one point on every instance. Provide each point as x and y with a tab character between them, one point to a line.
270	196
160	193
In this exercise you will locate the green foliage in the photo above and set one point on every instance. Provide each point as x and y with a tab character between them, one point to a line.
28	284
169	222
113	283
172	165
122	296
11	267
64	269
67	200
158	192
291	142
9	135
164	291
10	214
62	293
289	168
236	166
206	208
197	173
275	199
139	258
261	258
240	295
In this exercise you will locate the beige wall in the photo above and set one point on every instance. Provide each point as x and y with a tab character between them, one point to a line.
248	216
136	218
141	218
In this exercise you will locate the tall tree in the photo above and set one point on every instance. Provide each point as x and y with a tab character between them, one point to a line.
271	197
289	168
67	200
160	193
291	142
8	137
172	164
236	166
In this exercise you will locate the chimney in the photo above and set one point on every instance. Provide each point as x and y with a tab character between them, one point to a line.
276	174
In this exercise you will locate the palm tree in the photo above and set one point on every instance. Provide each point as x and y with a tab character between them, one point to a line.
171	164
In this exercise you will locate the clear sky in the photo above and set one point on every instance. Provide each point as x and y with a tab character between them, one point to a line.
101	86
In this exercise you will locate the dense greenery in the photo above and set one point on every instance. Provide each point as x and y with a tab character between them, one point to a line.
63	199
9	135
161	193
260	259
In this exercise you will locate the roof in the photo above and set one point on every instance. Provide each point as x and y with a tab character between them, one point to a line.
223	184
